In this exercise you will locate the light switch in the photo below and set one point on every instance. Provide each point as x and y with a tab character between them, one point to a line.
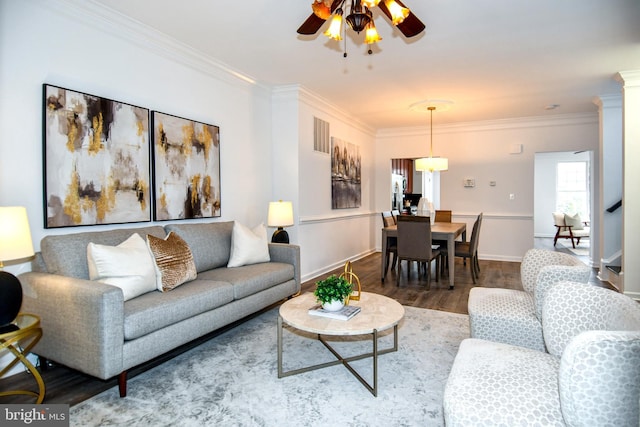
512	196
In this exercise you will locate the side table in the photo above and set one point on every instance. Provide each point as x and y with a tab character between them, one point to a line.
20	342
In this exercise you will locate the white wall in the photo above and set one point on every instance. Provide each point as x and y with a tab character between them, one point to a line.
482	151
49	42
328	237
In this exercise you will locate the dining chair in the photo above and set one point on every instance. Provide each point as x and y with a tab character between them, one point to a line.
392	242
443	216
395	214
414	244
470	249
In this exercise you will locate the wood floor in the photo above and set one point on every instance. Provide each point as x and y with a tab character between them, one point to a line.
68	386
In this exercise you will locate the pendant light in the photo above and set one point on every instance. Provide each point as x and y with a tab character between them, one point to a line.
432	164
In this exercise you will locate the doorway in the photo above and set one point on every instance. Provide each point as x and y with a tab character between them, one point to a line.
563	182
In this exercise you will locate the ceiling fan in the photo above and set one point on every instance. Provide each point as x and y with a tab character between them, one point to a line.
360	17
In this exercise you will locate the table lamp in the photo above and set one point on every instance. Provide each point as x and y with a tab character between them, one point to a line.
280	215
15	243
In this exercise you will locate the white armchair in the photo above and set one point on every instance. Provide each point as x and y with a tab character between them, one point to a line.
590	377
570	227
515	317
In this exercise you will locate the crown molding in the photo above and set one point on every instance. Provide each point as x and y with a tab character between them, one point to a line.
103	18
629	78
312	99
491	125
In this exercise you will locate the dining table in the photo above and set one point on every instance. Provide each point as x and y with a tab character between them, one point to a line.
448	231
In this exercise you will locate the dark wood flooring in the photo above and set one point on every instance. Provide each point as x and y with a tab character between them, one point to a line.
65	385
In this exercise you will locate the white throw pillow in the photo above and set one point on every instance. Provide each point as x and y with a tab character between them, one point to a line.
129	266
248	246
574	221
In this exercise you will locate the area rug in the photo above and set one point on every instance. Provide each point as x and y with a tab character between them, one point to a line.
583	249
231	380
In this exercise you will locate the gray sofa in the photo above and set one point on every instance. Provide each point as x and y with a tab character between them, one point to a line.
89	327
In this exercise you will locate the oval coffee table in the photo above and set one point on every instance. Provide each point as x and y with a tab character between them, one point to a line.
378	313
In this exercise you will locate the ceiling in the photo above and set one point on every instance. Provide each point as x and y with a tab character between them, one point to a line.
494	59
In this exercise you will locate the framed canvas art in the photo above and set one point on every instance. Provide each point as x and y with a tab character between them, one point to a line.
346	172
186	165
96	160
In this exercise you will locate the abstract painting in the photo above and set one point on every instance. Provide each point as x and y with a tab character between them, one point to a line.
186	165
346	170
96	160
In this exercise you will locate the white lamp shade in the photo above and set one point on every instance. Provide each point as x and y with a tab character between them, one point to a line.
432	164
280	214
15	236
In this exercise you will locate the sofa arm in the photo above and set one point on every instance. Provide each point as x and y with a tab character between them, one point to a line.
82	321
290	254
598	379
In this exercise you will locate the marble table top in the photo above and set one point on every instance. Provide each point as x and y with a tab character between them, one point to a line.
377	312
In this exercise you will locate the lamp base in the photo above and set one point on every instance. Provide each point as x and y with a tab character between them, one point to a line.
10	297
280	236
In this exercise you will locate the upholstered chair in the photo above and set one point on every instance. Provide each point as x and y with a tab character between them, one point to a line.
590	377
515	317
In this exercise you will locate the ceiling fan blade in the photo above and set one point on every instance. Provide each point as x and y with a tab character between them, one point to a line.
311	25
411	26
313	22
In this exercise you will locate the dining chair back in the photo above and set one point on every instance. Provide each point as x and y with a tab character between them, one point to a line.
392	243
387	219
395	214
443	216
414	244
470	249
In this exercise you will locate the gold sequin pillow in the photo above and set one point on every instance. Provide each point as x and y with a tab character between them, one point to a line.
174	261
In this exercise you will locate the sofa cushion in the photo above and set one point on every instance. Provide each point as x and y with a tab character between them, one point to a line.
248	246
156	310
129	266
174	261
66	254
506	316
210	242
574	221
249	279
495	384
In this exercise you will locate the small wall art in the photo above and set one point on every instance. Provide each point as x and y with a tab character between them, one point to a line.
96	160
346	169
186	165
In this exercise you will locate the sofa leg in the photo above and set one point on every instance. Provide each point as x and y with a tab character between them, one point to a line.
122	383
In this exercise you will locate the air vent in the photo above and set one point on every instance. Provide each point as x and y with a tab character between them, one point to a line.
321	136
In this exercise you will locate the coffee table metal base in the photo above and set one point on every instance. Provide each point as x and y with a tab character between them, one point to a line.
341	360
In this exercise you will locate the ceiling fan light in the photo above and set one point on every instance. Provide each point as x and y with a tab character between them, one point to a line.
336	25
370	3
398	13
371	33
321	9
359	17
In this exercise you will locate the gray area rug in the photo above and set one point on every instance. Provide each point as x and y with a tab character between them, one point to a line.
231	380
582	249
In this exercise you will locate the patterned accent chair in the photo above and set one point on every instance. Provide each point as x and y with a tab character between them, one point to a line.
514	317
590	377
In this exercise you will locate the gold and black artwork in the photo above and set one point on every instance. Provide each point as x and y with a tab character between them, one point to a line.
186	164
96	160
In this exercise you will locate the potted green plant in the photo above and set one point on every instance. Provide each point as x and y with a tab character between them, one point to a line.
332	292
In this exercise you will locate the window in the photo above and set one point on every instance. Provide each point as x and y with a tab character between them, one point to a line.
572	188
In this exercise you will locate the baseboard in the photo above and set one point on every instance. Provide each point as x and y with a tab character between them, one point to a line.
324	270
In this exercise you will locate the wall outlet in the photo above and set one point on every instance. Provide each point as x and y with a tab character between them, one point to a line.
469	182
512	196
